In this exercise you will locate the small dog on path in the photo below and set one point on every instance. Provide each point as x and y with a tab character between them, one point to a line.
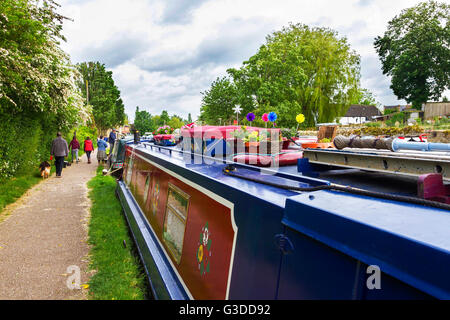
45	167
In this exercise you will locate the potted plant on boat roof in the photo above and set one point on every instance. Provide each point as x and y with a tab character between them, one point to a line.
164	130
164	136
273	142
252	139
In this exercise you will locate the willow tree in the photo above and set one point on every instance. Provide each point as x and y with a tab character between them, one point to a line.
300	70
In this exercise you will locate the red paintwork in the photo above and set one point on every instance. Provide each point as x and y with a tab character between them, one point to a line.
160	137
431	187
284	159
201	210
218	132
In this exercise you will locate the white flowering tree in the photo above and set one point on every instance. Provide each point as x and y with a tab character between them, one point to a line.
38	95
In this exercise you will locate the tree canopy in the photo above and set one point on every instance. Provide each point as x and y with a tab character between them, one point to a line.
415	52
36	76
99	90
145	122
218	102
38	94
298	70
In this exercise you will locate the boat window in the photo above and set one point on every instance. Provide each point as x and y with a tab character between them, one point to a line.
175	220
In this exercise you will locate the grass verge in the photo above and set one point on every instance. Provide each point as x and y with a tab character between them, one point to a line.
118	273
12	189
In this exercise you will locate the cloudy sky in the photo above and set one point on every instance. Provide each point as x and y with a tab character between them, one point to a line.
164	53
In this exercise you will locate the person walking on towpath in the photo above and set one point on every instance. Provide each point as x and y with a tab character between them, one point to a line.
101	152
112	140
75	146
59	150
88	148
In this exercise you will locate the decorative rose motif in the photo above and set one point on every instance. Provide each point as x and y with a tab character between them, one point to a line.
204	250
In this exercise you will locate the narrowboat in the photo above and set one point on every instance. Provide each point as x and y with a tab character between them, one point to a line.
211	222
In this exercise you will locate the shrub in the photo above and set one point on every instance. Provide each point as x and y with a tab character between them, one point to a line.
24	144
82	133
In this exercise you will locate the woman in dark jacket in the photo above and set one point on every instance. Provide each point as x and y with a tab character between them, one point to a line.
75	146
88	148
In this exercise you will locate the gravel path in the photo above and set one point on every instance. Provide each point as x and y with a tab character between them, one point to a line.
45	234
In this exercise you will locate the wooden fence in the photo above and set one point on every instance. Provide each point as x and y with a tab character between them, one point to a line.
436	109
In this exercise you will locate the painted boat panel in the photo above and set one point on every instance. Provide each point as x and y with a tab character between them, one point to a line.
204	261
334	237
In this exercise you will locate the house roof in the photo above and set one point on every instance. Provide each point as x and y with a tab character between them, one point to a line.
356	110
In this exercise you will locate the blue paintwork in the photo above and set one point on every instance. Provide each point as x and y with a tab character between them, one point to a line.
314	245
401	144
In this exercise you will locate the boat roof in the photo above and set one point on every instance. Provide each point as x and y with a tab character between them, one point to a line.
424	224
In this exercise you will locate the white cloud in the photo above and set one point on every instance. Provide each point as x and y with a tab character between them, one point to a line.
163	53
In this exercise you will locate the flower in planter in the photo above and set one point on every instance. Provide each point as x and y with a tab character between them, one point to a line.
265	117
164	130
253	136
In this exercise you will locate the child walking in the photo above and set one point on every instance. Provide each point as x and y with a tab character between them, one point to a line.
75	146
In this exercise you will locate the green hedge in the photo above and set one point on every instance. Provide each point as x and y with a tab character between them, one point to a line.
23	144
25	141
82	133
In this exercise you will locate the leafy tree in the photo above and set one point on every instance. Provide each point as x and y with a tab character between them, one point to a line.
299	70
99	90
35	74
415	52
38	95
364	97
164	118
143	121
176	122
218	102
189	119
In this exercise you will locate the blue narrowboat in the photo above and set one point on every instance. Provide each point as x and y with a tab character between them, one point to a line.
208	226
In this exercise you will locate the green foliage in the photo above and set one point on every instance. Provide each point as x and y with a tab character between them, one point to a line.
35	74
373	124
98	88
23	145
389	111
388	131
415	52
13	189
218	102
399	117
364	97
299	70
38	95
143	121
82	132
